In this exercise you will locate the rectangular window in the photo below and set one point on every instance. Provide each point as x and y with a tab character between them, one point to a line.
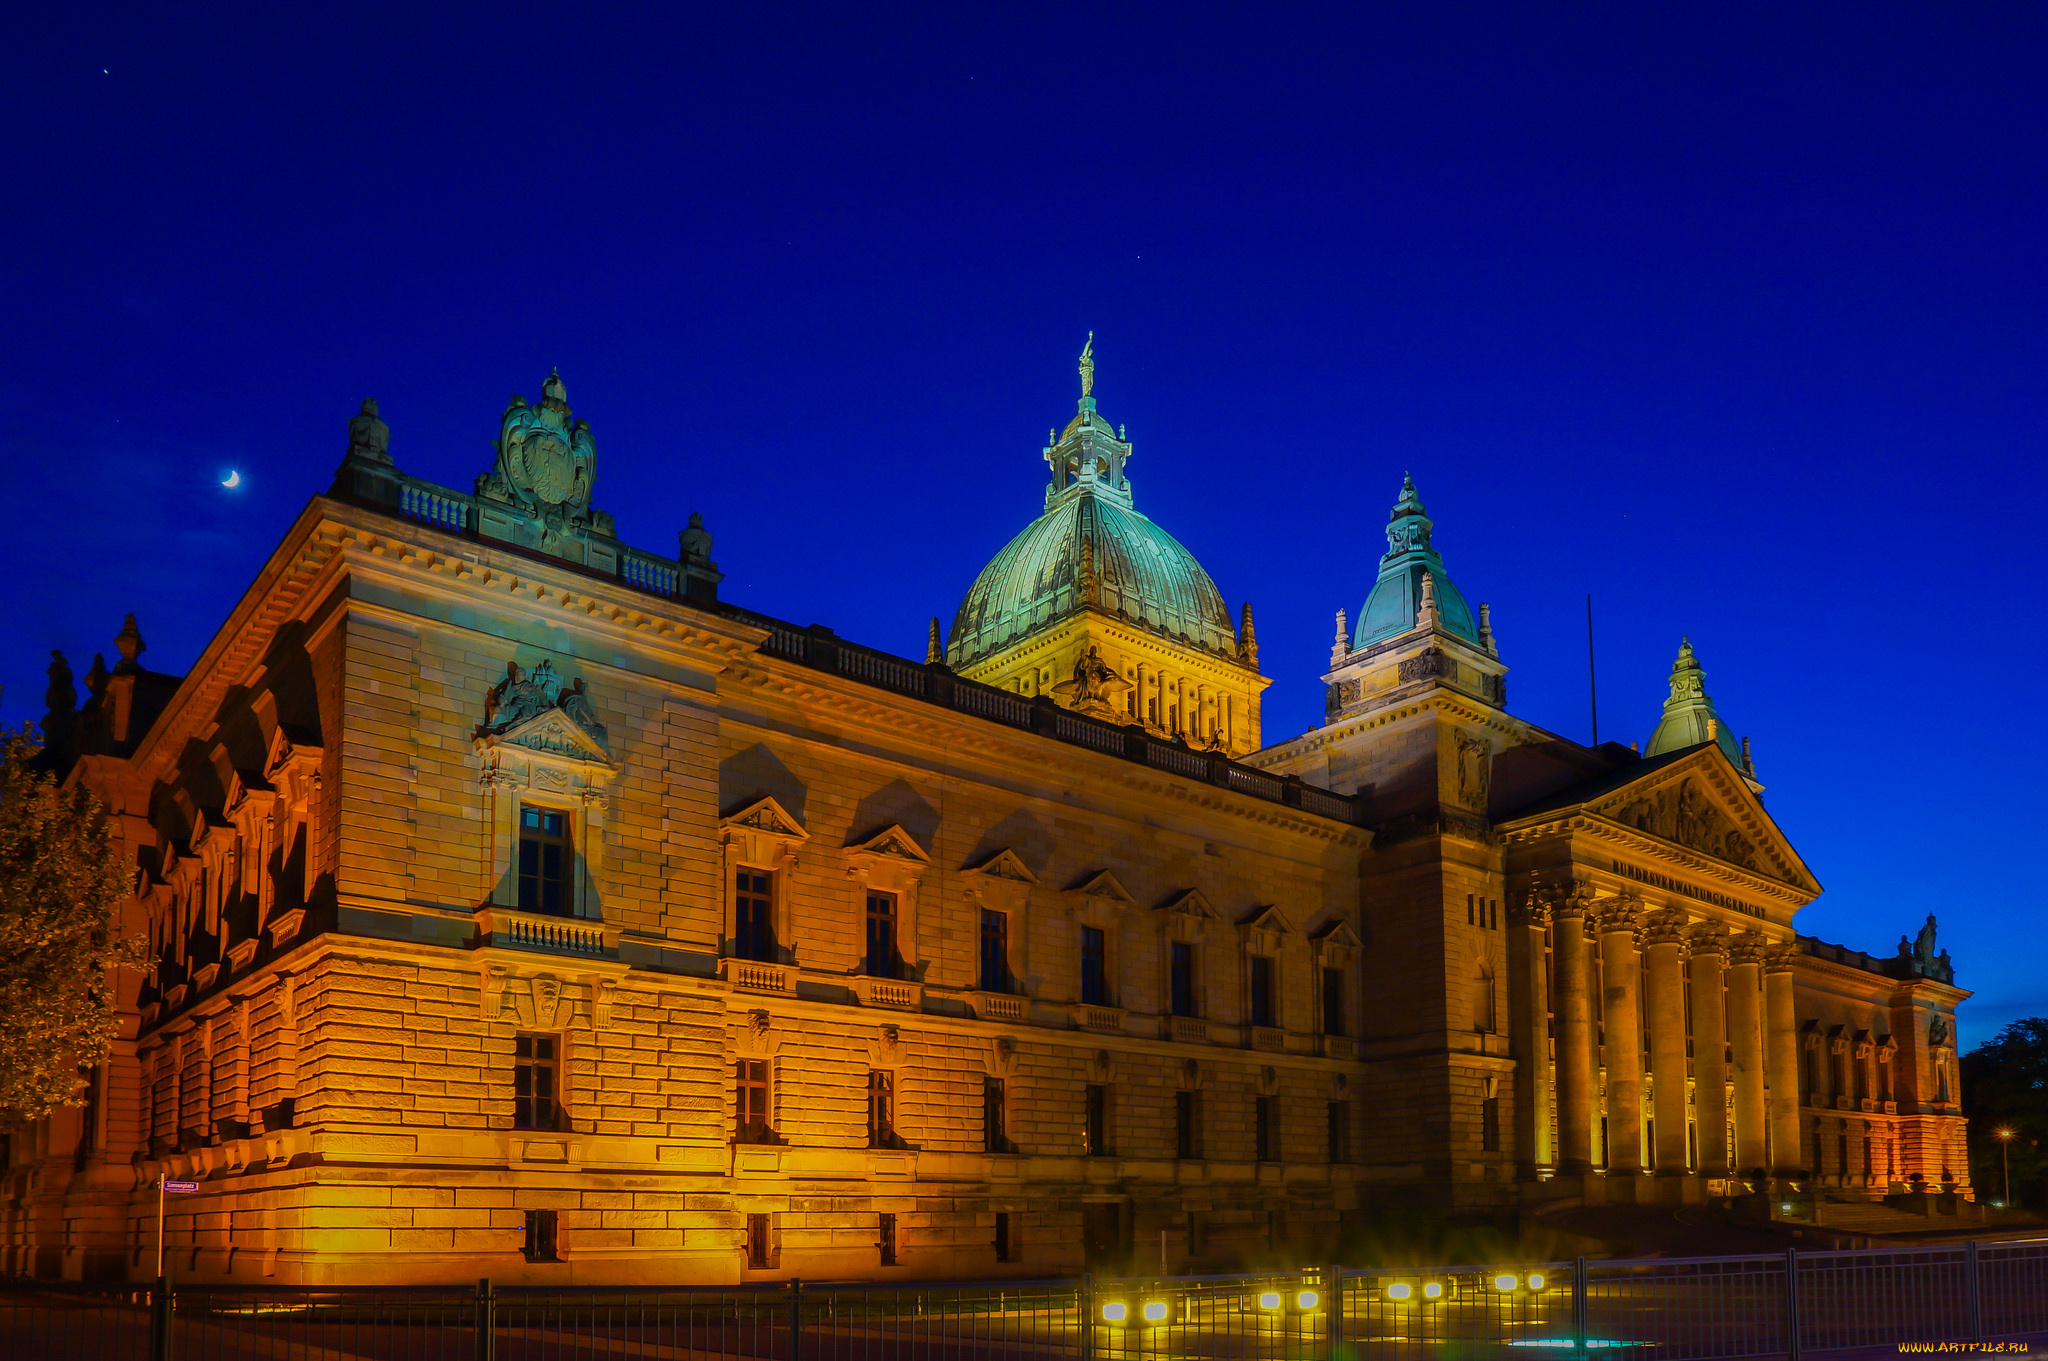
1094	967
993	1139
995	951
1095	1121
1265	1129
1187	1125
543	861
1183	979
753	916
541	1245
885	1238
1333	1002
1262	990
881	955
760	1244
1339	1125
1471	913
1489	1125
1198	1234
534	1082
882	1110
750	1102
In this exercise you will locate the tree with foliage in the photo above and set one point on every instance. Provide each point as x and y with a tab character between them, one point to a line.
60	881
2005	1087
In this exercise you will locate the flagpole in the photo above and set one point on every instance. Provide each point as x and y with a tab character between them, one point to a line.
159	1225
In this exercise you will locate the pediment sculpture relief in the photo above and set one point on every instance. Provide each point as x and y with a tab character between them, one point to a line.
1682	812
526	695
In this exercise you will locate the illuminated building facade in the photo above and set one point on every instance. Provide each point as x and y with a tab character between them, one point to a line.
522	909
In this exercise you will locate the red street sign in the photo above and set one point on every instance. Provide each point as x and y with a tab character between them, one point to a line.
181	1188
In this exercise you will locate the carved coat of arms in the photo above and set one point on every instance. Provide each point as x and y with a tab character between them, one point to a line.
547	463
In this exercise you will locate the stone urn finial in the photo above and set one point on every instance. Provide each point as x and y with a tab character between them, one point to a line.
130	645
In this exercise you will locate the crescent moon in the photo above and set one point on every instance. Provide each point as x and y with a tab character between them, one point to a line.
234	478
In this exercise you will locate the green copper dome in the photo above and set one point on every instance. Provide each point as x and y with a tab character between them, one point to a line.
1689	717
1133	568
1396	597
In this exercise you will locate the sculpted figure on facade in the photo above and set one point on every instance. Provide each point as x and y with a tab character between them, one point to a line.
1681	812
1095	689
547	464
1475	770
525	695
369	439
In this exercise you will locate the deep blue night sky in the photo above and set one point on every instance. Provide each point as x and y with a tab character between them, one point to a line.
1733	316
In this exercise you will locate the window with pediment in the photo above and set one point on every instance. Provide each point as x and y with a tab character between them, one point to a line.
1185	922
761	843
1265	936
888	869
1000	891
1097	910
546	771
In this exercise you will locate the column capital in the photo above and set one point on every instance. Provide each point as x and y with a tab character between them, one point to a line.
1781	956
1747	948
1709	938
1533	910
1571	898
1621	915
1665	927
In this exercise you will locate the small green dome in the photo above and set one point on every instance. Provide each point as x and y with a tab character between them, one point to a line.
1689	718
1142	573
1396	598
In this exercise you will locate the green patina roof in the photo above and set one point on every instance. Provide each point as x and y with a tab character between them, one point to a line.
1141	572
1396	598
1688	711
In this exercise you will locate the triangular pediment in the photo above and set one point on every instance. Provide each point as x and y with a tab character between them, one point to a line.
1004	864
766	816
283	752
1339	933
1191	903
1701	802
895	844
553	733
1269	919
1105	885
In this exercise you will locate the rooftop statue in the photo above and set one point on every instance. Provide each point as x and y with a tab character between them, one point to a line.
62	696
1095	688
1919	956
547	463
369	439
1088	367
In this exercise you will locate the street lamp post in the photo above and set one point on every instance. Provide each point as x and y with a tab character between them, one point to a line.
2004	1137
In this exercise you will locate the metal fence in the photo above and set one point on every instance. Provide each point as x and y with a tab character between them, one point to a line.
1781	1304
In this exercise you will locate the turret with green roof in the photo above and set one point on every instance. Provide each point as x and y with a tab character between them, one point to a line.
1391	609
1689	717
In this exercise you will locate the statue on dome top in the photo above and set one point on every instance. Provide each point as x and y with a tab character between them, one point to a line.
1088	367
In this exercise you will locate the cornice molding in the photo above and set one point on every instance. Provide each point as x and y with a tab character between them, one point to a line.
1013	745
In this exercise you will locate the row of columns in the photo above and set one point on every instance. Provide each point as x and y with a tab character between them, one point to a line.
1741	1005
1183	705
